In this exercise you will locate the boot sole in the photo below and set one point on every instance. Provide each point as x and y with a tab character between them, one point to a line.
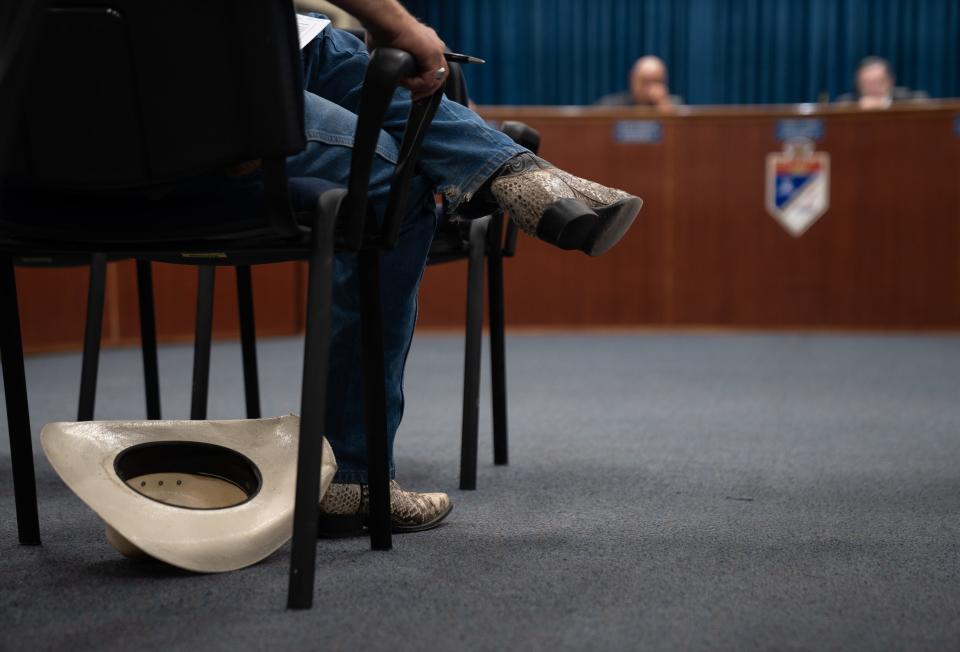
338	527
571	224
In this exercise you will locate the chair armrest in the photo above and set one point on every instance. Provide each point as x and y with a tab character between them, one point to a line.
522	134
19	28
421	116
510	240
387	67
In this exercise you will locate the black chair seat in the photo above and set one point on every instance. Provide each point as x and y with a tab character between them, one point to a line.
229	207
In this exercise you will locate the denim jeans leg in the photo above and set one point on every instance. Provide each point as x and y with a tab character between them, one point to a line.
330	130
460	151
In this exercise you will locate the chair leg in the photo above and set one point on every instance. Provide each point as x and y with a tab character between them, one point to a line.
18	413
375	399
201	343
313	416
91	337
148	339
498	365
473	347
248	341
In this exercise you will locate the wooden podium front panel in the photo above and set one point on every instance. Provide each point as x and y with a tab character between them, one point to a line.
883	255
705	252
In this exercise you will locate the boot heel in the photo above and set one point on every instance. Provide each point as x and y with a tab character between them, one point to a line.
568	224
613	222
337	527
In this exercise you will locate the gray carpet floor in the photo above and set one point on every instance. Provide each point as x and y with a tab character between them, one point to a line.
665	492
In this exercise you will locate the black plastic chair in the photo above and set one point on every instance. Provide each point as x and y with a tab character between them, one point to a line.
153	122
474	240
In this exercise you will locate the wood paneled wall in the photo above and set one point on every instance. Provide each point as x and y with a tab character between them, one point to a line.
704	252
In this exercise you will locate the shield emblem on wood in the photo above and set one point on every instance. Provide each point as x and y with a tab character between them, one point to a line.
798	186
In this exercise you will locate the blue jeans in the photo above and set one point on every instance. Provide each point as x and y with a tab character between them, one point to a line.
460	152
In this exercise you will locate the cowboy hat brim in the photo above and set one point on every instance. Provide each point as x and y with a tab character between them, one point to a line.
211	540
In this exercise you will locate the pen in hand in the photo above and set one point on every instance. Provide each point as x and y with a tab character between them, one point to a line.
456	57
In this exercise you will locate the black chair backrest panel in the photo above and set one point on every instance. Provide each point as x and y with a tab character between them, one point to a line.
18	24
81	119
137	93
455	87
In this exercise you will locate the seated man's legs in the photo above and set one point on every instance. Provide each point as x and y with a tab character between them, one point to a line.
329	130
461	156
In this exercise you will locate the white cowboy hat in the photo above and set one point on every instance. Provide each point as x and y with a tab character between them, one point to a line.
207	496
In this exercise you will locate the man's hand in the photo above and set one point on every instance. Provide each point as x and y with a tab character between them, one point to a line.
426	47
389	25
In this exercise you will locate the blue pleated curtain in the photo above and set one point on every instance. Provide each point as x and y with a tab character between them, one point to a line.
718	51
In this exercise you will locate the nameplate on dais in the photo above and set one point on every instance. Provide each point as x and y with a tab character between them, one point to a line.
794	128
638	131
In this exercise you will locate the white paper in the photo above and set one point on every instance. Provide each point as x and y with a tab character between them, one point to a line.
309	28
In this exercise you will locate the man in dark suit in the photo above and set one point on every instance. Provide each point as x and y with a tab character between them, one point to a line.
876	89
648	87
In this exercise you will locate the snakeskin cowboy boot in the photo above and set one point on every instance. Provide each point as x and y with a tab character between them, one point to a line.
345	508
561	209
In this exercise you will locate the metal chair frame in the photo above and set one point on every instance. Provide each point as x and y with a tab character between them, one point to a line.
485	240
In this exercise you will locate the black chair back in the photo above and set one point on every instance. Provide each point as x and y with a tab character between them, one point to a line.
134	93
18	26
455	87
